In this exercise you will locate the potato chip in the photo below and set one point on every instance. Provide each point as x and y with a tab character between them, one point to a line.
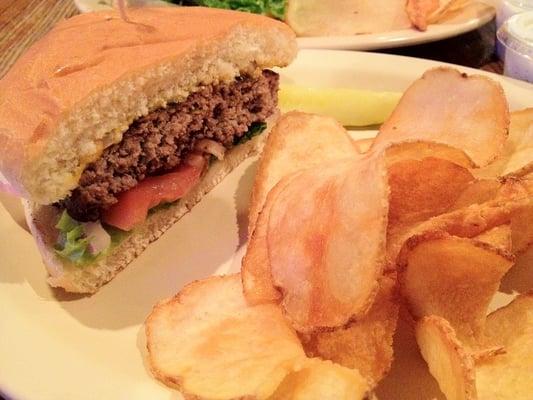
478	192
322	380
425	12
297	141
477	123
419	150
452	277
509	323
498	237
467	222
519	279
420	10
326	239
409	377
210	344
517	156
503	374
365	344
426	179
421	189
447	8
520	144
487	353
362	145
345	17
257	281
511	192
509	376
448	361
522	228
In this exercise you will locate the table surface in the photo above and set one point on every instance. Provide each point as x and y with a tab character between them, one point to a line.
22	22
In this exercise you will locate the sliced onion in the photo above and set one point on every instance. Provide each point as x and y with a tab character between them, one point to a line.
195	160
211	147
99	239
7	188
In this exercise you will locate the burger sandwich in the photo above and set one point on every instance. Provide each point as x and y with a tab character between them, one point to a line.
112	128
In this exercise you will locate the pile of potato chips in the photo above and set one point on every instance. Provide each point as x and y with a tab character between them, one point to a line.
428	218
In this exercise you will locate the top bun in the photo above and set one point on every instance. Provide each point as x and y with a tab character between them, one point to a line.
78	89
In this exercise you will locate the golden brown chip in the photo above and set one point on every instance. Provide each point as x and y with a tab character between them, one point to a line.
429	111
210	344
420	10
326	239
364	344
409	377
520	278
324	18
255	270
454	278
522	228
322	380
509	376
362	145
512	192
499	237
467	222
503	373
421	189
519	146
296	142
517	155
509	323
448	361
446	9
478	192
520	143
419	150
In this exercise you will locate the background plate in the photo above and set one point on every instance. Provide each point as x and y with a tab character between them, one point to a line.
470	18
55	346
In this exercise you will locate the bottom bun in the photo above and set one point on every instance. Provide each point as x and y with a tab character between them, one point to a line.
89	278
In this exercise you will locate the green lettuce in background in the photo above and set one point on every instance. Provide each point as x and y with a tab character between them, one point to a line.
272	8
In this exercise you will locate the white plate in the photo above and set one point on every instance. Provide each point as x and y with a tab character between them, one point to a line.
99	5
468	19
59	347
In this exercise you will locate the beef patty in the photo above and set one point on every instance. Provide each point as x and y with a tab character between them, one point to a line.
159	141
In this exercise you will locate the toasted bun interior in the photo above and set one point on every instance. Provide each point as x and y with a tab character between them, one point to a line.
77	90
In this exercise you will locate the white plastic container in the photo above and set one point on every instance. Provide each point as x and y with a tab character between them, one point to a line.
508	8
515	38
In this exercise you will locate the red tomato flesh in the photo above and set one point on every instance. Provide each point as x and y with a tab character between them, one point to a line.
133	205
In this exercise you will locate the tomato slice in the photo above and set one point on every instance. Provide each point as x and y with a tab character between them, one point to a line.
133	205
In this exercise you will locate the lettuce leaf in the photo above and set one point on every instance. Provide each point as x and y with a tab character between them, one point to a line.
72	243
255	129
272	8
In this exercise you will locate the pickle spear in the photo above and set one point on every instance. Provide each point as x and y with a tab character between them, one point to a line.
351	107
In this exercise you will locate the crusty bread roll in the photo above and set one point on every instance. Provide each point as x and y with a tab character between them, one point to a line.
78	89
